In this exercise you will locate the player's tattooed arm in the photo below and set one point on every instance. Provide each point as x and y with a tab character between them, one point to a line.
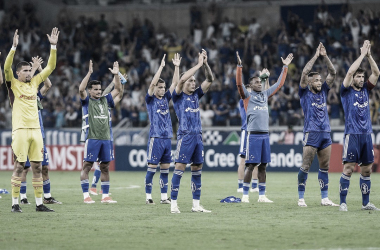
36	64
351	71
176	62
209	77
115	71
83	84
330	67
306	70
188	74
374	68
156	77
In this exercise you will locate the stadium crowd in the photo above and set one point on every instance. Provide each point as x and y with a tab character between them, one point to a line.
139	47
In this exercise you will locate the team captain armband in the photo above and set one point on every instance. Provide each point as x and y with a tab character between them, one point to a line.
122	79
370	86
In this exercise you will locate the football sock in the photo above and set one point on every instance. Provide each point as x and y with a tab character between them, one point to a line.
195	203
323	178
302	178
262	187
246	188
176	180
16	183
23	190
47	188
254	183
164	179
38	190
240	183
365	187
85	184
344	185
105	187
96	177
196	184
149	179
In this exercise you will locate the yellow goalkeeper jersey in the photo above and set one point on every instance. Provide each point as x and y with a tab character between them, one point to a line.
23	95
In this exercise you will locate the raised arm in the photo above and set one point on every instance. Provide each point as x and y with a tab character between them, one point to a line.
188	74
83	84
209	77
118	98
115	71
176	61
351	71
330	67
9	60
37	61
281	80
306	70
156	77
375	70
53	39
243	92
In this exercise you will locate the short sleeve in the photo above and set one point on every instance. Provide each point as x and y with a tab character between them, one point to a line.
199	92
85	100
343	90
176	96
148	98
302	91
168	96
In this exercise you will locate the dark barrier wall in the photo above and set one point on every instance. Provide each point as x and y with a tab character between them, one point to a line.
285	158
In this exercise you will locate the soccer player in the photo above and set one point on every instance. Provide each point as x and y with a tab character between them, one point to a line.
159	144
26	131
256	107
48	199
317	139
264	77
190	146
97	172
358	148
97	130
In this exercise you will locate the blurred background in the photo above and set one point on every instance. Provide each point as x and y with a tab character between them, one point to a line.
137	33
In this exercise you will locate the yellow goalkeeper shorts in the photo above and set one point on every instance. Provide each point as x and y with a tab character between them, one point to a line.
27	142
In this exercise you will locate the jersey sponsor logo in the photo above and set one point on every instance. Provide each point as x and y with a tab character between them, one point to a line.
101	116
101	108
361	105
162	112
319	105
33	97
260	108
192	110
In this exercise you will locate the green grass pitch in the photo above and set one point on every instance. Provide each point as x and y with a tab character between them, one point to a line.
131	224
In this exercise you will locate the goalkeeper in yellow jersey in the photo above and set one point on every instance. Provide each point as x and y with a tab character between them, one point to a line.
26	132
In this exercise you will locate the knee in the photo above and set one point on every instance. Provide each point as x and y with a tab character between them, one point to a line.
249	167
104	167
262	168
196	167
348	170
366	171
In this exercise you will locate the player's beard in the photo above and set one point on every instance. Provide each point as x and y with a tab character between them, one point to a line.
357	85
316	89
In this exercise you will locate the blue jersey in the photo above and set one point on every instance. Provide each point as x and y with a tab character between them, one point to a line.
315	109
159	116
356	110
243	115
39	98
187	110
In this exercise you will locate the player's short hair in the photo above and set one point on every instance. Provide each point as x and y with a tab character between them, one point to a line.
21	64
160	80
359	71
311	74
255	75
92	83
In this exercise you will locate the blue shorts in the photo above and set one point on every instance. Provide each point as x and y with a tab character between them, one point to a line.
45	160
189	149
97	150
258	149
159	150
243	143
358	148
319	140
112	153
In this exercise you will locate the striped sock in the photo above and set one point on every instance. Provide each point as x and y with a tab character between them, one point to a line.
96	177
38	189
46	186
85	185
105	188
16	183
302	178
196	184
344	185
240	183
246	188
262	187
254	183
323	178
365	187
176	180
